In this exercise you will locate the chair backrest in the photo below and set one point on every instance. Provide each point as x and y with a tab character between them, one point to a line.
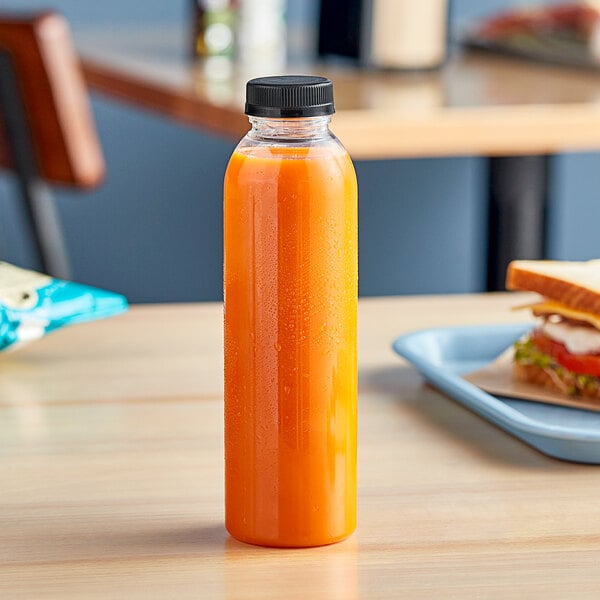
47	132
54	97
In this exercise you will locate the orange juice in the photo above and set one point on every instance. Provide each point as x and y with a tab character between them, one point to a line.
290	283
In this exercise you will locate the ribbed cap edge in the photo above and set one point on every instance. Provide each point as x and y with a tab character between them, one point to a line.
289	96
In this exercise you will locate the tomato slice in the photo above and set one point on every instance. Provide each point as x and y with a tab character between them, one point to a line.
582	364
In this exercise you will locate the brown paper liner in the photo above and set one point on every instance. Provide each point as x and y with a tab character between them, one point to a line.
497	378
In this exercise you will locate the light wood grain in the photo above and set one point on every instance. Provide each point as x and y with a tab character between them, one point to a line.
111	465
476	104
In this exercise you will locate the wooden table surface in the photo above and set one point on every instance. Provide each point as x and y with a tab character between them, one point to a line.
111	464
476	104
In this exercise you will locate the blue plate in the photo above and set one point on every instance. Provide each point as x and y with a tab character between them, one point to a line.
442	355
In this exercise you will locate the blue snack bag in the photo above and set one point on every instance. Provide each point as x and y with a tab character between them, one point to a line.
33	304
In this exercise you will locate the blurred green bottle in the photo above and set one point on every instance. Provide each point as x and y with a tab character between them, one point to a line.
213	28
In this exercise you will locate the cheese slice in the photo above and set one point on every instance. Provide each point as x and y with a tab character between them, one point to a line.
551	307
576	339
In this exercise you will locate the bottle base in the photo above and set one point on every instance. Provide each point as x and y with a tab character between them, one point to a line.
275	543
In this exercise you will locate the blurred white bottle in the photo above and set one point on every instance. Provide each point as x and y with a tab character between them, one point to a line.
405	34
261	35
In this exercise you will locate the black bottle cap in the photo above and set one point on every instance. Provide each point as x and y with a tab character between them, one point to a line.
289	96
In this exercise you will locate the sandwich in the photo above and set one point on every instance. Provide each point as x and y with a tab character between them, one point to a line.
567	31
562	353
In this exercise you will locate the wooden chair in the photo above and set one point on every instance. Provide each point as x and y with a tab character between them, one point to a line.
47	133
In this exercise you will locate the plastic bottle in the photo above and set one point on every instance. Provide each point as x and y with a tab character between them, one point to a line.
290	284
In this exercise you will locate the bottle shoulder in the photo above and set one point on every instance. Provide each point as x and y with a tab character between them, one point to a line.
290	148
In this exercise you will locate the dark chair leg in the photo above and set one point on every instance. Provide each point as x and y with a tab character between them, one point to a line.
42	223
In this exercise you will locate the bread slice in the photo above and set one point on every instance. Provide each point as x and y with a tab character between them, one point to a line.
576	284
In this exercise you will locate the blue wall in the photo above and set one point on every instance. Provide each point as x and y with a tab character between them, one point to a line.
153	231
574	208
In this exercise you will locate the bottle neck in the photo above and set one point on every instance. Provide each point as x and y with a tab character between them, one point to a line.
290	129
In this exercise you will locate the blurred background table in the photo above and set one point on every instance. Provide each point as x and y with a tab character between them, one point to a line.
513	111
478	104
112	475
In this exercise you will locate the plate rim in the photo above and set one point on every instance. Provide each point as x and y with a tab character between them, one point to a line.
478	400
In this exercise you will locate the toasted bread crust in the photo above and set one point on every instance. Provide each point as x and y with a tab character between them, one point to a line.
554	382
521	275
